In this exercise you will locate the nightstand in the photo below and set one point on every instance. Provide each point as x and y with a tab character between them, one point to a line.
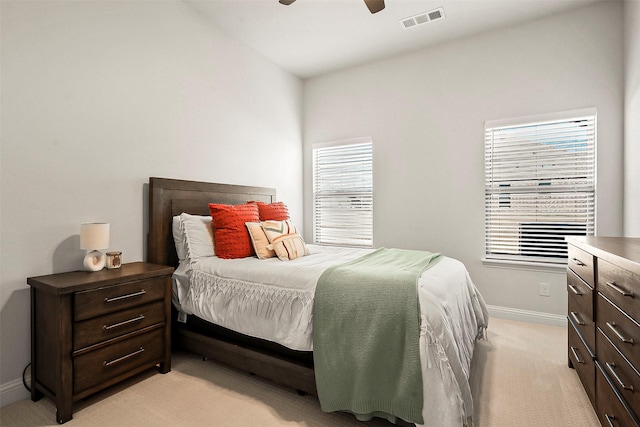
90	330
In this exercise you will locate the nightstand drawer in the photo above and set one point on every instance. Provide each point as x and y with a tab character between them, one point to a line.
620	286
112	325
582	361
105	300
96	367
623	332
611	410
582	263
623	376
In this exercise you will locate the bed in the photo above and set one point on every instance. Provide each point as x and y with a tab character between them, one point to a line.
453	314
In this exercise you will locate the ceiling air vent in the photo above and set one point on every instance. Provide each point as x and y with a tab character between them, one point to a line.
422	18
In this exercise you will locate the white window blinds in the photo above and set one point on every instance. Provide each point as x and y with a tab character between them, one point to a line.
343	193
539	185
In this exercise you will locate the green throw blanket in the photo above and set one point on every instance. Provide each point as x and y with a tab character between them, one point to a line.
366	327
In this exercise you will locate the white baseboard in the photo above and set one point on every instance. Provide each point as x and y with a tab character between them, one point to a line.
14	391
527	316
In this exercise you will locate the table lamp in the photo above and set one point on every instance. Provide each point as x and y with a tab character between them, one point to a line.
93	237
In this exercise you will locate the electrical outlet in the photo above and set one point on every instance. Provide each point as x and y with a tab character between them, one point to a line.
545	291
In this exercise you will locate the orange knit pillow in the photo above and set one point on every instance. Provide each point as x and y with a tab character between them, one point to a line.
230	233
276	211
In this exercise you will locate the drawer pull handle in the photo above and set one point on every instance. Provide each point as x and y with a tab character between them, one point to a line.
618	289
610	419
574	350
135	294
576	261
575	290
612	370
126	322
576	318
621	337
120	359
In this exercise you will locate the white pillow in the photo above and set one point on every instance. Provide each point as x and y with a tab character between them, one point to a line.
178	238
198	236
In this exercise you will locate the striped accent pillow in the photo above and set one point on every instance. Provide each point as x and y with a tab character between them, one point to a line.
230	233
285	240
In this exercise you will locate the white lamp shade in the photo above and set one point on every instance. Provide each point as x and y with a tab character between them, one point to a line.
94	236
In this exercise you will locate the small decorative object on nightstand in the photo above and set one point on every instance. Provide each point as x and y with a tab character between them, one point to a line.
94	236
114	259
92	330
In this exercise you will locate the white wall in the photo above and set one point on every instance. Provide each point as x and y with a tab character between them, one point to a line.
632	119
98	96
425	112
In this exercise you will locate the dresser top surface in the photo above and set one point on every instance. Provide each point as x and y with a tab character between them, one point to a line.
618	250
73	281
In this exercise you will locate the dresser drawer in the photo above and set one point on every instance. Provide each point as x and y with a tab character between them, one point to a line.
582	263
623	376
621	286
105	300
582	361
611	410
102	328
96	367
623	332
580	308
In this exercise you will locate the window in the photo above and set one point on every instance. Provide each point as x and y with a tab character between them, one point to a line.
539	185
343	193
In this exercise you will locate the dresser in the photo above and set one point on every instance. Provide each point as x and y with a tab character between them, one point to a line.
603	285
90	330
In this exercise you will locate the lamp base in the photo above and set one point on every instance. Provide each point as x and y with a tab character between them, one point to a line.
94	261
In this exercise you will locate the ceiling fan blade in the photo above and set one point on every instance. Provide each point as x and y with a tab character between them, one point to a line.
374	6
286	2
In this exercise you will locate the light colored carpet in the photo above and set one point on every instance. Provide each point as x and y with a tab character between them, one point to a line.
519	378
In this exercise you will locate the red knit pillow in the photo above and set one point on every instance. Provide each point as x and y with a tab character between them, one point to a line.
276	211
230	233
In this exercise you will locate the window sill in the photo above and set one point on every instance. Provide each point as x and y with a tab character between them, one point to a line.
523	265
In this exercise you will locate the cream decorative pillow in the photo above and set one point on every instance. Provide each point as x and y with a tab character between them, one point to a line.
259	240
284	239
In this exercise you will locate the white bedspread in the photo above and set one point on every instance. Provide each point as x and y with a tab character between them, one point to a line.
273	300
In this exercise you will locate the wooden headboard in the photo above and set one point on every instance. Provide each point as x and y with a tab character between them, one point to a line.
170	197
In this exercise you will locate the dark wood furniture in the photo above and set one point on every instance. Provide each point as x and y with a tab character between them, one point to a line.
90	330
603	283
170	197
